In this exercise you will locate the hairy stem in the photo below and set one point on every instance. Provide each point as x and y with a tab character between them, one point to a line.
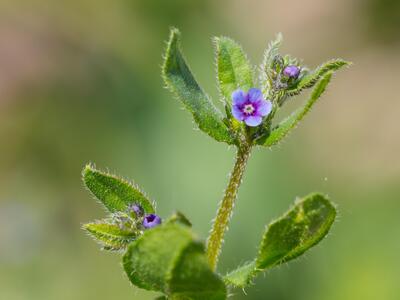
224	213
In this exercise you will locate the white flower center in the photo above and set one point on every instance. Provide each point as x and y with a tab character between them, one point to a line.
248	109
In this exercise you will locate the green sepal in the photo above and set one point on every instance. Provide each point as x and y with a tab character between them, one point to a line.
169	259
301	228
242	276
109	235
309	79
233	68
285	126
180	80
180	218
115	193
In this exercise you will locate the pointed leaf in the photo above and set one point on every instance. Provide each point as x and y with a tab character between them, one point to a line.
271	51
182	83
233	68
269	55
115	193
301	228
110	236
310	79
167	258
293	120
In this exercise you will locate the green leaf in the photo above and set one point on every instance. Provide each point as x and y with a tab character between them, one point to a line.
168	258
269	55
301	228
182	83
115	193
233	68
310	79
284	127
271	51
192	278
110	236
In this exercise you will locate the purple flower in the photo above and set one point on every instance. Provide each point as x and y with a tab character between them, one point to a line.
291	71
250	107
137	209
151	220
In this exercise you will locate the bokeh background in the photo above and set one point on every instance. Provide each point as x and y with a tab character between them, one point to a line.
80	82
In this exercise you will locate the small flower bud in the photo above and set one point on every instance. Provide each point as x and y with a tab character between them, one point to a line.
291	71
137	209
151	220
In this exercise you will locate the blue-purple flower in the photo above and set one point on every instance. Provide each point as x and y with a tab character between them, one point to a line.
151	220
291	71
250	107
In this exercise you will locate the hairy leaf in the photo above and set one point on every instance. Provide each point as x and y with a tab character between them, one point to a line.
115	193
180	80
311	78
302	227
269	55
233	68
110	236
271	51
293	120
168	258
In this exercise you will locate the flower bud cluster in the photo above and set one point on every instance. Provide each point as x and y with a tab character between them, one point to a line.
143	220
135	220
283	73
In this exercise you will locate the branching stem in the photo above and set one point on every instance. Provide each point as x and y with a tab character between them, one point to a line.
224	213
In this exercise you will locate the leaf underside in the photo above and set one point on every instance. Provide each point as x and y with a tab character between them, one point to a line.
301	228
180	80
115	193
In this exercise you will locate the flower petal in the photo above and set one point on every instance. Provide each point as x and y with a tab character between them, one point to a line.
238	97
255	95
151	220
237	113
264	108
253	121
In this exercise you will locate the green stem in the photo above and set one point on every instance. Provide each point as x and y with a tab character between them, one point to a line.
224	213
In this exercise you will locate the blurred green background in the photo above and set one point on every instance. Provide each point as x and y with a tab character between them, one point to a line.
80	82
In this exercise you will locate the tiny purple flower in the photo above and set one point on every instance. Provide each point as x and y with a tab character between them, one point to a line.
292	71
250	107
151	220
